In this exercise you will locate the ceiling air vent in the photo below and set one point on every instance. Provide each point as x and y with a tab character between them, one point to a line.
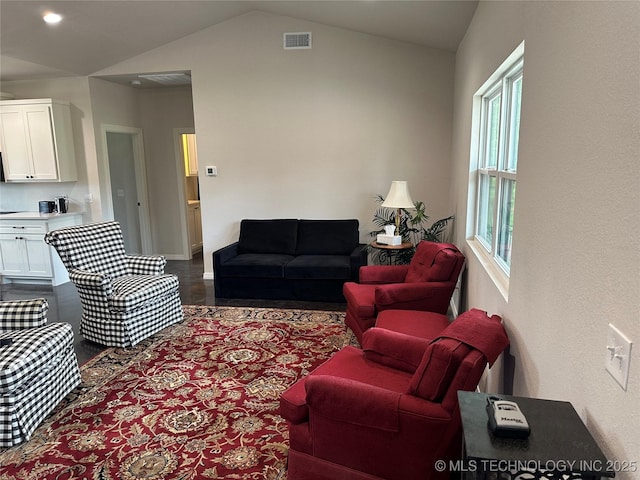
168	78
297	40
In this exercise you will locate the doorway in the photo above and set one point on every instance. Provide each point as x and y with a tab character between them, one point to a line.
127	186
188	189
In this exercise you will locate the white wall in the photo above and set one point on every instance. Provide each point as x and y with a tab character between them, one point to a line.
112	104
576	262
310	133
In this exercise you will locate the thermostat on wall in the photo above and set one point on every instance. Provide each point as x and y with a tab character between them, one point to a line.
212	171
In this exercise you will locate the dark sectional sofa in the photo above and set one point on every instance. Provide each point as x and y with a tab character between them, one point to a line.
290	259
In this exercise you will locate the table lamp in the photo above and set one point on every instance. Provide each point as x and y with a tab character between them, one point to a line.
399	198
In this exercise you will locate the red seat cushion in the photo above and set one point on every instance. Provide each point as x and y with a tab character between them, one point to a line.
413	322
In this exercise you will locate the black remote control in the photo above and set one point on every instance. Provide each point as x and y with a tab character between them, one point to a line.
5	342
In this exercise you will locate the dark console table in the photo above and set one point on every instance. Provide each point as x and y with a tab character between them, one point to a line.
559	446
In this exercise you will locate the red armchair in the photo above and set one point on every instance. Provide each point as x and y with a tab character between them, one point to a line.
426	284
387	412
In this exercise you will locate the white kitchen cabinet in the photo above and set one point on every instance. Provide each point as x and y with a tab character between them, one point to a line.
24	256
37	141
195	226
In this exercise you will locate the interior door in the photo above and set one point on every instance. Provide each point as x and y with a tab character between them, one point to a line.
124	194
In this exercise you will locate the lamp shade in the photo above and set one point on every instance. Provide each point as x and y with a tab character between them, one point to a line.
398	196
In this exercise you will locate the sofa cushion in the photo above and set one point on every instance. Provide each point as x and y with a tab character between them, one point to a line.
255	265
268	236
432	262
327	237
327	267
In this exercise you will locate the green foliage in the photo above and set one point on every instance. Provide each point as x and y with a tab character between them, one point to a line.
414	227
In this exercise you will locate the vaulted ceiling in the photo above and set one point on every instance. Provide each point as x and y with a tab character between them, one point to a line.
95	34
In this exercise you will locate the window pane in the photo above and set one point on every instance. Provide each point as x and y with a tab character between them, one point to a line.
505	228
493	132
514	124
486	202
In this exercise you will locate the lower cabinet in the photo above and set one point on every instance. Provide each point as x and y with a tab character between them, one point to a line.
195	227
24	256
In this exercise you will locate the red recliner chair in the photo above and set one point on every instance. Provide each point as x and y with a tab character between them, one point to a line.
389	411
426	284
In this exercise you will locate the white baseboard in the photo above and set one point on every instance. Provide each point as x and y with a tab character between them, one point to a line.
173	256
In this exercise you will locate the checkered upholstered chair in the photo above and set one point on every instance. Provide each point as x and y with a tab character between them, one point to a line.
38	367
125	298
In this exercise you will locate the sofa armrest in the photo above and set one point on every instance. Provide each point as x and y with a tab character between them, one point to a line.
383	274
224	254
22	314
146	264
358	259
425	296
394	349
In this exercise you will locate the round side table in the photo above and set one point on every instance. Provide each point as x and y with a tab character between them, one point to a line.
389	252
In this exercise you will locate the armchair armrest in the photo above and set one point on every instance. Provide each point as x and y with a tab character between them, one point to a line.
394	349
82	278
426	296
355	403
146	264
22	314
383	273
94	289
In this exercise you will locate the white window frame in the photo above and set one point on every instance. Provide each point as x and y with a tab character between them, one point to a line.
486	249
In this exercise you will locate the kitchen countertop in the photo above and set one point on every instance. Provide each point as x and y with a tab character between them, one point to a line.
35	215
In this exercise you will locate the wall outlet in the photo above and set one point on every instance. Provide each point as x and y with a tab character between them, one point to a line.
618	355
211	171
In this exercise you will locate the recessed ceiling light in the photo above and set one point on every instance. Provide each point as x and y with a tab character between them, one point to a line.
51	17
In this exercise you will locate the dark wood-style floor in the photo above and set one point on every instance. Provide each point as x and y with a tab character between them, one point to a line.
64	303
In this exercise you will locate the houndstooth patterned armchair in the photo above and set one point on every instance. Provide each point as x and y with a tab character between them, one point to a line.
125	298
38	367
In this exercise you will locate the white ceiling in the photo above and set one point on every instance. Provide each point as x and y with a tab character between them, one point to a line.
95	34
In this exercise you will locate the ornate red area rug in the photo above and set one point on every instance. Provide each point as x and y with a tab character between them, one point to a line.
199	400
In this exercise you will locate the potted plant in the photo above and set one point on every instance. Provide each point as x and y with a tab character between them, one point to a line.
414	227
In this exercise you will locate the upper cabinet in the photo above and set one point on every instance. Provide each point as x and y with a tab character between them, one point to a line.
36	141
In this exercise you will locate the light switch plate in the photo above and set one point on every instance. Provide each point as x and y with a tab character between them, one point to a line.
618	355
